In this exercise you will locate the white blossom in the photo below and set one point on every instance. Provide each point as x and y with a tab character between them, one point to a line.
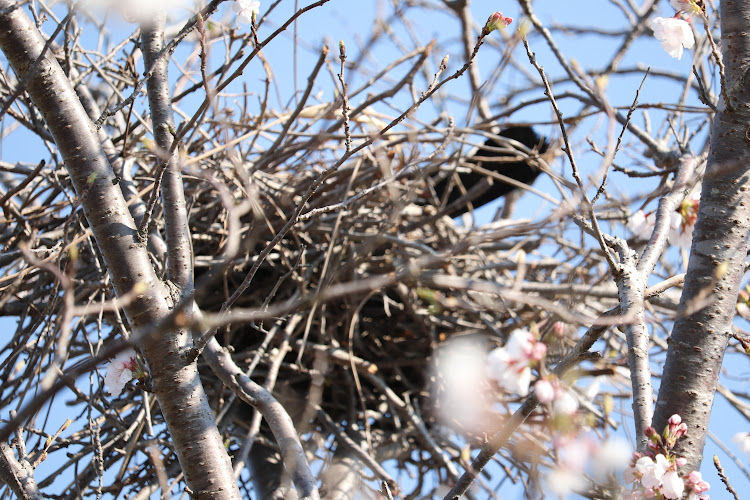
246	10
510	373
562	481
674	35
577	454
120	371
672	485
565	403
554	393
651	470
509	366
742	439
641	224
544	391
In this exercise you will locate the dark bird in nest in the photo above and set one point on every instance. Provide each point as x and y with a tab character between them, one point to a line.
473	182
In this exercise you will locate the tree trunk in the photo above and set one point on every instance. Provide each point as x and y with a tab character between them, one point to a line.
198	444
699	339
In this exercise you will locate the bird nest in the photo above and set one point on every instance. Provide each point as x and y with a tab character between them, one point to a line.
354	283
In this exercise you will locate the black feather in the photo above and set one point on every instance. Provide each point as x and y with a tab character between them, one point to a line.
479	193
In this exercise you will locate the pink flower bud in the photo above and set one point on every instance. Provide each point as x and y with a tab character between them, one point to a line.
681	430
496	21
544	391
558	328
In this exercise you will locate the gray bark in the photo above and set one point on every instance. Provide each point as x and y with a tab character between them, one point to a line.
180	251
176	384
18	475
699	339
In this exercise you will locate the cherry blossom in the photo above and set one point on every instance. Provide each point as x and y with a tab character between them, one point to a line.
680	4
562	481
656	473
672	485
683	222
642	223
510	366
610	456
696	483
558	328
120	371
674	35
246	10
651	471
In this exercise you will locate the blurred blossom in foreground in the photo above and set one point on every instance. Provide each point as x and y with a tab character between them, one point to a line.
460	384
579	456
552	392
120	371
137	11
247	10
674	35
510	366
742	440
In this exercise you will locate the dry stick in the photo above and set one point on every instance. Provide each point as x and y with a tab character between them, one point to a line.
242	315
463	10
282	427
302	101
317	139
322	178
204	105
240	458
611	158
21	185
404	172
724	478
638	29
344	97
344	440
163	54
644	137
569	152
720	63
